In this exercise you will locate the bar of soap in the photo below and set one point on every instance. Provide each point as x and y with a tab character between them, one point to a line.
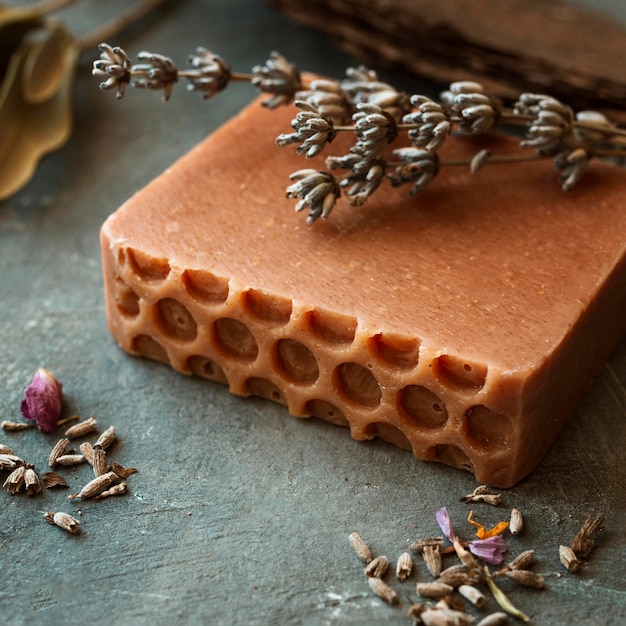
463	323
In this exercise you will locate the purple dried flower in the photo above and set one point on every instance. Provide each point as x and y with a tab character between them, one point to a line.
490	550
445	523
42	400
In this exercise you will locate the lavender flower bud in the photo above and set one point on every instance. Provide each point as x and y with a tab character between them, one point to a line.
211	73
278	77
113	65
313	130
417	166
158	72
318	192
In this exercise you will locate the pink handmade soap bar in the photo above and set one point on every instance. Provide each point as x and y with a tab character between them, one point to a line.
463	323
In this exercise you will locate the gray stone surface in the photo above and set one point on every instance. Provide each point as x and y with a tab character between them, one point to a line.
239	513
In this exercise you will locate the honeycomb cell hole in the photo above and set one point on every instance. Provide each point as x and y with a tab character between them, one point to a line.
175	320
145	266
331	327
459	373
265	307
295	362
235	339
206	368
421	407
452	455
205	287
395	350
487	429
265	388
388	432
327	411
125	298
355	382
150	348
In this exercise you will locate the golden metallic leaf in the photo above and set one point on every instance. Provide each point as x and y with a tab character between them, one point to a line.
38	59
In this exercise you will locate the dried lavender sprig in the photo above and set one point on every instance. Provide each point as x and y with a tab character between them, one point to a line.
209	74
466	103
378	113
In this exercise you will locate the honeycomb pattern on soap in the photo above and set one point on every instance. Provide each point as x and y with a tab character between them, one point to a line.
316	362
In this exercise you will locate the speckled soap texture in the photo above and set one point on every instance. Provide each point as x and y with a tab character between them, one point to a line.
462	324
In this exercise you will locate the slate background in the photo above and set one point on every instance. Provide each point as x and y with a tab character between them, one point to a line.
239	513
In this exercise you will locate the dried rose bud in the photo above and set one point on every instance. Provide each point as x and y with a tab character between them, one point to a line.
42	400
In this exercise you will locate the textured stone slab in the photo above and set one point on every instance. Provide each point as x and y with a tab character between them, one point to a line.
463	324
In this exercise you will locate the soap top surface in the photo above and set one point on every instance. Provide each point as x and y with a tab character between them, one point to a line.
496	267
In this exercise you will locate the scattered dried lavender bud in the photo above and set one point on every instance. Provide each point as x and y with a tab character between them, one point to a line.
522	561
493	619
64	521
16	426
105	440
525	577
432	557
583	542
472	594
568	558
404	566
445	617
82	428
361	549
42	400
117	490
99	463
70	459
10	461
415	611
15	480
434	589
58	450
87	451
516	523
455	576
96	486
31	482
451	602
52	479
377	568
121	471
419	544
478	491
383	590
482	494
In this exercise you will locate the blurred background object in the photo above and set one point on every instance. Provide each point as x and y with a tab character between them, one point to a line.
572	52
